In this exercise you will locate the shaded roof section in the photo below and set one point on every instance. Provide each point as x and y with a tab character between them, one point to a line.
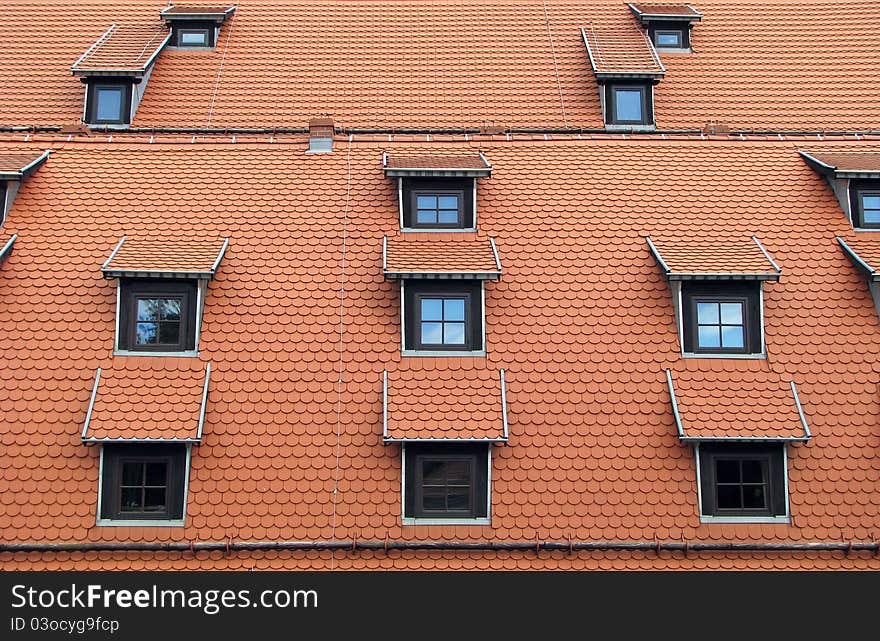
471	165
423	256
865	255
755	405
841	164
165	258
715	258
444	405
621	51
148	399
18	165
123	50
647	12
216	13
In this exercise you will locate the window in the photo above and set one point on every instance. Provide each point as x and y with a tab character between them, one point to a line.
194	34
446	481
443	316
143	482
628	104
438	203
670	34
671	39
865	203
721	319
157	316
108	104
742	480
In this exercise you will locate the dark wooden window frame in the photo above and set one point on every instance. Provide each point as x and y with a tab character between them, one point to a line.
416	290
92	102
772	458
3	194
115	455
703	292
415	457
187	25
684	29
133	290
461	187
646	101
858	190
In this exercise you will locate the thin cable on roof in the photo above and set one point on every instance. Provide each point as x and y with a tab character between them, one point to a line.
220	70
341	345
555	65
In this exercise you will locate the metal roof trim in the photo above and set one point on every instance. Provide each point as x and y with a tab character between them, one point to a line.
6	250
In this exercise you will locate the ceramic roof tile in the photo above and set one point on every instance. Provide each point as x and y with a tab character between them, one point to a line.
850	161
128	48
621	49
13	162
674	10
444	404
740	403
405	256
502	71
148	398
145	255
194	9
709	257
473	161
865	254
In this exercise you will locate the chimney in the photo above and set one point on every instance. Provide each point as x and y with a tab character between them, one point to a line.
320	136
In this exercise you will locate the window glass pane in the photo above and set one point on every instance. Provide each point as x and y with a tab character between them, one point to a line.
707	313
752	471
709	336
155	474
729	497
194	38
727	471
148	309
426	202
170	309
147	333
668	38
731	313
425	216
434	502
754	497
453	309
448	202
169	333
628	105
453	333
458	472
432	472
459	499
732	337
432	333
871	208
154	499
448	216
109	105
132	473
432	309
130	499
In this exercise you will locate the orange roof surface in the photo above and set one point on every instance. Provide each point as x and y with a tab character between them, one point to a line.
129	48
712	256
473	161
149	256
445	404
850	161
147	399
674	10
12	162
425	254
865	253
720	403
621	49
398	65
192	9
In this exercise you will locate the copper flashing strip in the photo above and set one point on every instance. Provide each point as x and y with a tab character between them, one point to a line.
385	255
204	403
112	254
495	254
91	404
6	250
870	272
657	256
675	413
220	255
385	406
767	255
504	405
797	402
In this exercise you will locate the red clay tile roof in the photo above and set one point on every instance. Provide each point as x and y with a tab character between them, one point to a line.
143	398
16	163
735	404
693	258
666	10
855	162
191	9
155	257
445	404
420	255
126	48
865	254
474	161
621	49
501	71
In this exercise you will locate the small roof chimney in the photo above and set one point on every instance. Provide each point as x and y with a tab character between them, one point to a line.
321	136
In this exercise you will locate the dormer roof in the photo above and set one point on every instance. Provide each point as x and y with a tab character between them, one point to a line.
123	50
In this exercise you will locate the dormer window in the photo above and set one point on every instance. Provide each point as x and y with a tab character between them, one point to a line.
160	292
668	26
626	67
195	27
717	294
15	168
115	70
437	193
855	179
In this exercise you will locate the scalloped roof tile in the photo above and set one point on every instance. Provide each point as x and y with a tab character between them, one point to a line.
713	256
166	255
621	49
128	48
446	255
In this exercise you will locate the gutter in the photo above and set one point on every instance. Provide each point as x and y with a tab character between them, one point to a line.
443	546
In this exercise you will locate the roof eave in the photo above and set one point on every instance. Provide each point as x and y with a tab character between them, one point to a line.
426	172
629	75
869	272
722	276
743	439
389	439
149	273
404	275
